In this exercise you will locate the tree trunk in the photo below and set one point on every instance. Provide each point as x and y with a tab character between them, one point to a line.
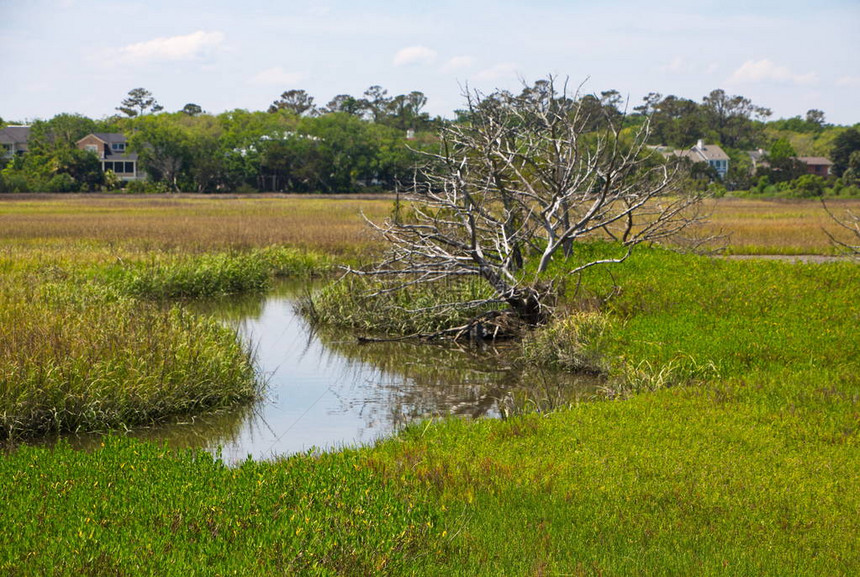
526	304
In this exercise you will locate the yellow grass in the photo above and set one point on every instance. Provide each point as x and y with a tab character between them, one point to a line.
115	225
331	224
779	226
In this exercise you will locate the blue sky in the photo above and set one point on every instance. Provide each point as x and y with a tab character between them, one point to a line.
83	56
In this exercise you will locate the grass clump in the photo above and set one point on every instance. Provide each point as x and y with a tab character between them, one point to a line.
570	343
187	276
82	358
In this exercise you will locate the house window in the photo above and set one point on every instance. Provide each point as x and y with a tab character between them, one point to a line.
108	166
118	146
129	168
91	148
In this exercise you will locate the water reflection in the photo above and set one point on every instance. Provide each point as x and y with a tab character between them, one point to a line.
325	390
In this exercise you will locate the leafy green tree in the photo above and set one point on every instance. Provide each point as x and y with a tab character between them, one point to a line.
376	103
83	167
815	117
809	185
346	148
192	109
344	103
298	102
61	132
844	145
139	101
405	111
163	149
782	163
851	175
731	118
674	121
243	140
205	153
781	150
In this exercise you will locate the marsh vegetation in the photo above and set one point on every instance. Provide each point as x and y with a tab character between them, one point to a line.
724	439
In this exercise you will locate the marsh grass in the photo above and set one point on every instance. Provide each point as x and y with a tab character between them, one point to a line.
183	276
738	454
195	223
334	225
84	346
778	227
82	358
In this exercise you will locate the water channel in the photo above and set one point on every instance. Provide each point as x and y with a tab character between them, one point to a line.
325	390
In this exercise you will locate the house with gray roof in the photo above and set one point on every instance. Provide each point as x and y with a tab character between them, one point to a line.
111	149
13	140
710	153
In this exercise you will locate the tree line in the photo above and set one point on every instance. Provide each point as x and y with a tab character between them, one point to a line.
368	142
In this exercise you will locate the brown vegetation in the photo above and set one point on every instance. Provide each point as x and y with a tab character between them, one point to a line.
333	224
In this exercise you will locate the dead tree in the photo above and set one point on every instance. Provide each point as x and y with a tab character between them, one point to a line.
518	184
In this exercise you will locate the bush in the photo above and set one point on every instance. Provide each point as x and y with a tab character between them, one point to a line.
808	185
63	183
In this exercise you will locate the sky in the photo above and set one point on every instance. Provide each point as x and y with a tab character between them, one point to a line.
83	56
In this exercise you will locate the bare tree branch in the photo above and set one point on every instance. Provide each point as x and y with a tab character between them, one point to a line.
851	223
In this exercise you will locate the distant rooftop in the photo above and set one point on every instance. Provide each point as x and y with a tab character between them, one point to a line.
14	134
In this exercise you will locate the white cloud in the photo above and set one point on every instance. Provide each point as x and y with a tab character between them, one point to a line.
458	63
677	66
277	76
188	47
498	72
680	66
414	55
755	71
850	81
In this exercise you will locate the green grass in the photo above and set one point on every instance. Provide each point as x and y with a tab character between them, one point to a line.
733	452
741	460
184	276
80	358
131	508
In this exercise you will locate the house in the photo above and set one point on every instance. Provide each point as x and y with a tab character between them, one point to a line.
817	165
758	159
111	149
13	140
710	153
